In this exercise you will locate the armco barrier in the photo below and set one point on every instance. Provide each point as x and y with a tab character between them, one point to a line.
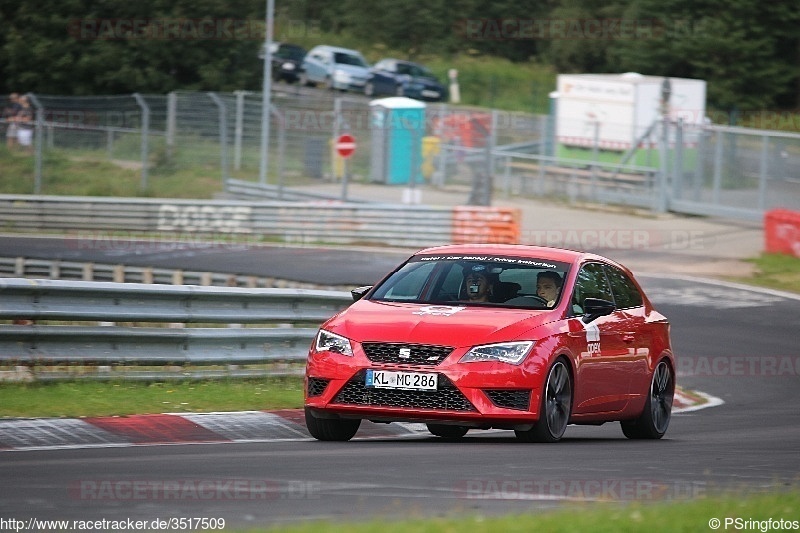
305	222
495	225
86	349
782	232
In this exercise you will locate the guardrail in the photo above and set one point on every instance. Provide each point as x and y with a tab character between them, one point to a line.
26	267
53	351
307	222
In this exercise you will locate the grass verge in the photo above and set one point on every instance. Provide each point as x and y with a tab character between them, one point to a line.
775	271
92	398
735	513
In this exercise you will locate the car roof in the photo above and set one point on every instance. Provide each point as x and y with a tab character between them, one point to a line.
539	252
335	49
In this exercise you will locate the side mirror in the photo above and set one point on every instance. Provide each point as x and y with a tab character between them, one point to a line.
594	308
359	292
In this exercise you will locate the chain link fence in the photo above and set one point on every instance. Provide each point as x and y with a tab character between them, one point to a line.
695	169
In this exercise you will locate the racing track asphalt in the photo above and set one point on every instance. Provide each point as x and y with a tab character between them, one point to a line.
735	343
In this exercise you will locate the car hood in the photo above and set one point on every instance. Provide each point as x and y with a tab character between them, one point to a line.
434	324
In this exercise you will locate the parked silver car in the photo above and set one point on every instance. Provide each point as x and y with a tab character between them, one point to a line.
335	68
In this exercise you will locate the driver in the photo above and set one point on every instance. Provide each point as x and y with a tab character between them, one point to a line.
478	284
548	286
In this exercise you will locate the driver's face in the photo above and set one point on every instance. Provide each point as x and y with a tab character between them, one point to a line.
477	286
546	288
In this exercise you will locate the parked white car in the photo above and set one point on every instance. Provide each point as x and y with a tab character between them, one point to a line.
335	68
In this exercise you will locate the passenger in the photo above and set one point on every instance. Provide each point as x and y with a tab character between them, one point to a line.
478	284
548	286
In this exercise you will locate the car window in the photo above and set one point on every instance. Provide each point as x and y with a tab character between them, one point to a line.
348	59
290	52
407	283
591	283
626	294
511	281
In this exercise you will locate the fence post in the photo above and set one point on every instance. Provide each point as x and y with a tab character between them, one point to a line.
677	169
223	135
37	172
663	171
717	168
172	110
237	132
763	169
145	133
281	148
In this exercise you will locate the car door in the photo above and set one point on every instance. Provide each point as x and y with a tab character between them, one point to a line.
315	66
637	333
601	353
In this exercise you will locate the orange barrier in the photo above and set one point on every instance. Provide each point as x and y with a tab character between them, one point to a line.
491	225
782	232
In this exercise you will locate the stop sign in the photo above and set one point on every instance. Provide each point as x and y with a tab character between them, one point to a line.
345	145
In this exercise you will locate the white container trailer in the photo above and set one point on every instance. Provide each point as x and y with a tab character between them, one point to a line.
615	111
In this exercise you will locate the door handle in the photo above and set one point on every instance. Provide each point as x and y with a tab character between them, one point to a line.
628	337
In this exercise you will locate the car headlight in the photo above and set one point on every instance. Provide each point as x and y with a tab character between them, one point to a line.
331	342
287	66
506	352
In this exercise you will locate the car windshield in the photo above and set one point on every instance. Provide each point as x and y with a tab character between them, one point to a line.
290	52
349	59
414	70
497	281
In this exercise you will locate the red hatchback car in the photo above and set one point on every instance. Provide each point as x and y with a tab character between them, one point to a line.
494	336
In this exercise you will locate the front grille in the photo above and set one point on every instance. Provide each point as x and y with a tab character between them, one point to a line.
446	397
412	354
316	386
510	398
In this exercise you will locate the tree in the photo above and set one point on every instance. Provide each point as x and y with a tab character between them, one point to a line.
747	51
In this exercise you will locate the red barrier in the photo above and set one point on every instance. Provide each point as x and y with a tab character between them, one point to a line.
782	232
490	225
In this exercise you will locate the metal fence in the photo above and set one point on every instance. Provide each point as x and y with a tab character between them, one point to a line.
76	347
407	226
703	170
251	222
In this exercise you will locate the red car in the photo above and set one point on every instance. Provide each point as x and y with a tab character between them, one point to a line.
494	336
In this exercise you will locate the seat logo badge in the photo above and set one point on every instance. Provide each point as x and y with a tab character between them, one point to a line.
405	353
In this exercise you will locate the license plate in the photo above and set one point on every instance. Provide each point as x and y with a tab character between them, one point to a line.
387	379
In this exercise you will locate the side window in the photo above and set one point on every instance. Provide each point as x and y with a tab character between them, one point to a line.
407	283
591	283
626	294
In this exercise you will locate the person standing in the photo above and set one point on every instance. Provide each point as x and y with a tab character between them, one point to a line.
10	113
25	124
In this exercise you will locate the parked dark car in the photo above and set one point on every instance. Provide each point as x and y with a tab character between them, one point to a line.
404	78
287	62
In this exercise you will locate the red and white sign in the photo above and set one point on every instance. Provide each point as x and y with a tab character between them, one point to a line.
345	145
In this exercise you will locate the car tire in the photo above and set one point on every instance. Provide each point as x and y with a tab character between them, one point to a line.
331	429
447	431
654	420
369	89
555	407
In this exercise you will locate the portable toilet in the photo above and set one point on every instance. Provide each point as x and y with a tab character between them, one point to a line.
398	127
